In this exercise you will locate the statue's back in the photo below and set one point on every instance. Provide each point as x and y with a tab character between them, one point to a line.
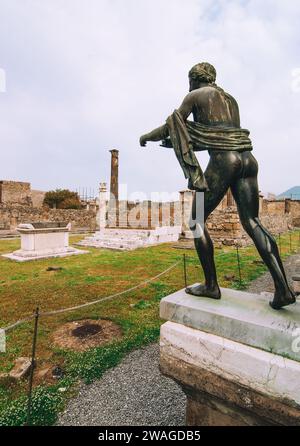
213	106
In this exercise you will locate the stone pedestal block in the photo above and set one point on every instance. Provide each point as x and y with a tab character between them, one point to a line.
43	240
130	239
236	368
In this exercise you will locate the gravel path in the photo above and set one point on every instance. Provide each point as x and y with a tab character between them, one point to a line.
265	282
135	393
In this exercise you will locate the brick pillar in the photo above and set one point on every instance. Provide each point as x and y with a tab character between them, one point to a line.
114	174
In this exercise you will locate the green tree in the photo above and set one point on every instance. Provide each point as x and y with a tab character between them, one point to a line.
62	199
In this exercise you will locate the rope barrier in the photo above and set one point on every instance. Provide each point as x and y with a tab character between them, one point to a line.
103	299
87	304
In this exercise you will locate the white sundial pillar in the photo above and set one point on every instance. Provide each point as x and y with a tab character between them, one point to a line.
102	206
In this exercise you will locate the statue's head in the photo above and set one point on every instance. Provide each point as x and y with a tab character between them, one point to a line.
201	73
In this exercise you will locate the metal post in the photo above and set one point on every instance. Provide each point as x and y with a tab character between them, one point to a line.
239	264
36	319
184	270
279	244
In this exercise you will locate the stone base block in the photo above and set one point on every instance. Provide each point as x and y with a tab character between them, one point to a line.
229	383
130	239
246	318
25	256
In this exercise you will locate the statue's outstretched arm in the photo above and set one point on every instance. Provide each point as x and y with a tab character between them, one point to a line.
156	135
161	133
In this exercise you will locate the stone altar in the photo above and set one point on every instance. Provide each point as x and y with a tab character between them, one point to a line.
41	240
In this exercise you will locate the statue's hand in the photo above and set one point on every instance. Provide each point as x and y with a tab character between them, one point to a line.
166	143
143	141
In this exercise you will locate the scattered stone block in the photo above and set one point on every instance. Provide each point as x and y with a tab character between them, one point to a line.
21	368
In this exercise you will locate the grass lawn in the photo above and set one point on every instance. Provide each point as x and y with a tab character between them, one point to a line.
24	286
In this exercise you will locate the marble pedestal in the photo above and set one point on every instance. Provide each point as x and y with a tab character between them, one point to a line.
43	240
237	360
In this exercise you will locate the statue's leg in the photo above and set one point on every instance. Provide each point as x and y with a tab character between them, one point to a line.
219	175
245	192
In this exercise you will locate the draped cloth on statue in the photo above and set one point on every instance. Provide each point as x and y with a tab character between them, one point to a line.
188	137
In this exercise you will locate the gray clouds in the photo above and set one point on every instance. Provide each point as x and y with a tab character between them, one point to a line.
85	76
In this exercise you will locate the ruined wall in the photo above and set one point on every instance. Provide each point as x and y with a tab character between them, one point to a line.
224	225
37	197
273	207
226	229
12	215
15	192
293	207
143	215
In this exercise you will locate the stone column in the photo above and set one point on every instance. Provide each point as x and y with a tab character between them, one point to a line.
186	200
102	206
230	200
154	214
114	174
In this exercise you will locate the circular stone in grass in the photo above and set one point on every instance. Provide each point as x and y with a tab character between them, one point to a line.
85	334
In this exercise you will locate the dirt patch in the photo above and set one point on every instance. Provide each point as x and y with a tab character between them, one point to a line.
85	334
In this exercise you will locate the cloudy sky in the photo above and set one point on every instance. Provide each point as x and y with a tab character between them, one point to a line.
85	76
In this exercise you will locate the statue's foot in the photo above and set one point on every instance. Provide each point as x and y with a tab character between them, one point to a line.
204	291
282	299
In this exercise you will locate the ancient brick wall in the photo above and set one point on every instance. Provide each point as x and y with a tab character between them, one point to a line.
293	208
224	224
143	215
15	192
12	215
273	207
225	227
37	197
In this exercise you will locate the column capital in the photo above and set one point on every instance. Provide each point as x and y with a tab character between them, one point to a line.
103	187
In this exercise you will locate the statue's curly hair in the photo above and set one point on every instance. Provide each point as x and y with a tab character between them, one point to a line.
204	72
